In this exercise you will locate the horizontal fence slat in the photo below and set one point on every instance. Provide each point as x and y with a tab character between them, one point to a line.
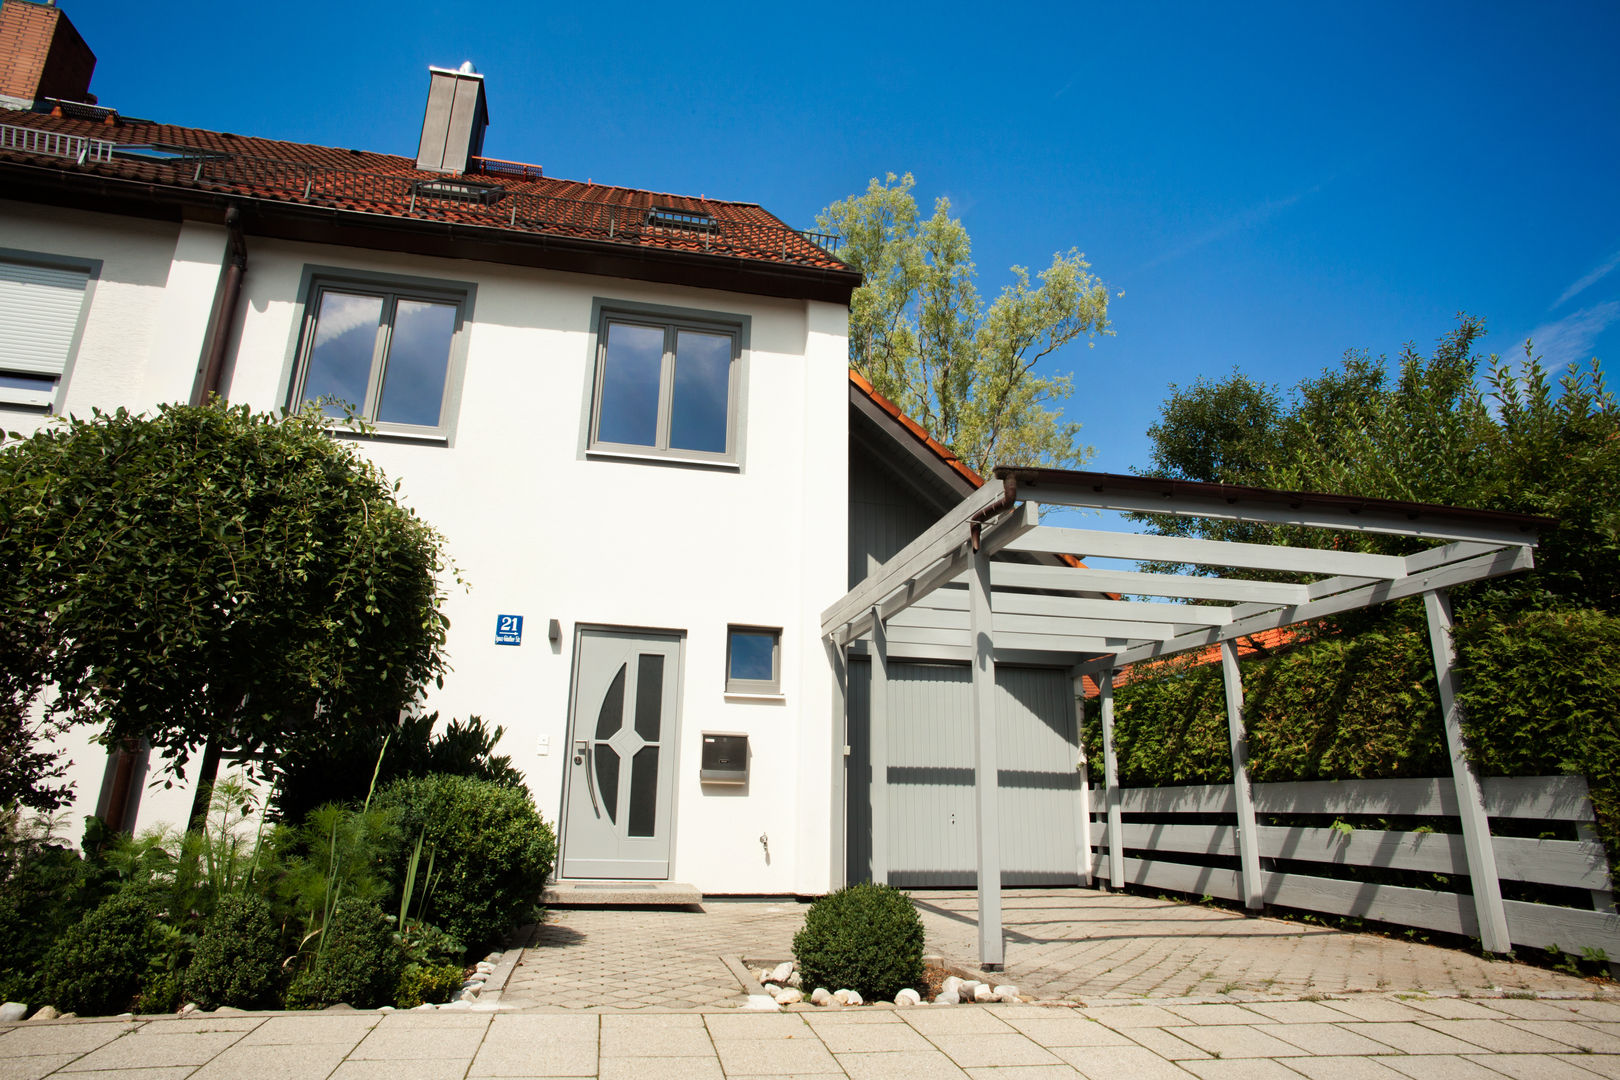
1404	797
1189	839
1452	913
1183	877
1552	798
1581	864
1542	926
1440	853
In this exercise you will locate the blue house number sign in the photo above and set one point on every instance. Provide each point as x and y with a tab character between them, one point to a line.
508	629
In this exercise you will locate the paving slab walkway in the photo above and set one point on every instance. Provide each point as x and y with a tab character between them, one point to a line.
1062	945
1373	1036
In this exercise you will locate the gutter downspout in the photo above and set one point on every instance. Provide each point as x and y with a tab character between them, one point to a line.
211	365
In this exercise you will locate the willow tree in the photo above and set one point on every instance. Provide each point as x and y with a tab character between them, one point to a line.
921	334
211	575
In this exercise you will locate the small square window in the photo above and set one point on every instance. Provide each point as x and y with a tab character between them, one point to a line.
387	355
753	660
666	387
42	311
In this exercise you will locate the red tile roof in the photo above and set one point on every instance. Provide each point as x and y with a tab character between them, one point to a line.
915	430
372	183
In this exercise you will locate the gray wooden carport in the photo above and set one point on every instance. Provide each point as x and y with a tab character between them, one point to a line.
989	583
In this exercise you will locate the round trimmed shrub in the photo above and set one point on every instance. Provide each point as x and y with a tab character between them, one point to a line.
238	960
97	967
866	938
358	963
424	983
492	852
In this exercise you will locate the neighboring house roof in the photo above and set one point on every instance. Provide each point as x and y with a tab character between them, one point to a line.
1264	641
494	202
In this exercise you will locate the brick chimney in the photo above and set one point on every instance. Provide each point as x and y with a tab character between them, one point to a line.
453	129
43	55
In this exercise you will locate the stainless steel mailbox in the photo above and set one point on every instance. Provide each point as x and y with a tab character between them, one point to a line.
725	758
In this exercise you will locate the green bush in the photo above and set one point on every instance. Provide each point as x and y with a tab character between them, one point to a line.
238	959
357	962
866	938
97	967
492	852
421	983
42	894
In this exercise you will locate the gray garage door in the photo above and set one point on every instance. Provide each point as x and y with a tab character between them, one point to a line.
931	840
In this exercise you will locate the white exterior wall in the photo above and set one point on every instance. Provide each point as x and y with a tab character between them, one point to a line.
539	530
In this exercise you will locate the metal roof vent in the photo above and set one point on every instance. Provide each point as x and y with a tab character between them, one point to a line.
453	127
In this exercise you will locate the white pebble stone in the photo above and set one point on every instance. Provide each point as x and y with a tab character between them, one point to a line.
982	993
820	996
906	997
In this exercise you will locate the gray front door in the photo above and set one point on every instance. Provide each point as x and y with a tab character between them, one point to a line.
618	809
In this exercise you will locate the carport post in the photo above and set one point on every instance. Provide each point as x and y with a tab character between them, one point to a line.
1082	802
877	729
1111	794
1248	833
837	863
986	767
1476	824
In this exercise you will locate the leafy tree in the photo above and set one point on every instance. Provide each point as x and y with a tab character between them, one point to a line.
211	573
920	333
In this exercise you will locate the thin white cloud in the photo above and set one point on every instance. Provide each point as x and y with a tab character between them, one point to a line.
1240	222
1598	273
1570	340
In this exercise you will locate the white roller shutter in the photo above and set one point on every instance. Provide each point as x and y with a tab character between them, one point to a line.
39	311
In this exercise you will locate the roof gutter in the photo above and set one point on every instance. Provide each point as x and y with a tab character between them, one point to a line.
211	364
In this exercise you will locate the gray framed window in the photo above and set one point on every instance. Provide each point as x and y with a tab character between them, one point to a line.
753	660
666	386
390	353
43	305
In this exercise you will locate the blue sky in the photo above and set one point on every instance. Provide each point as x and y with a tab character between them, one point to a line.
1268	185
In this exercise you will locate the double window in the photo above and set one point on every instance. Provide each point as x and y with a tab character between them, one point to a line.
42	311
666	386
386	354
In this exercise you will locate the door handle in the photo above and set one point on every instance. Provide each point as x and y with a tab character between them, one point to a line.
582	748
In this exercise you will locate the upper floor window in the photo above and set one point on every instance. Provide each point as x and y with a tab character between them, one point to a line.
666	386
389	355
42	309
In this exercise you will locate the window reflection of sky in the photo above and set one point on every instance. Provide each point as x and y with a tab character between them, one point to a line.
751	655
418	358
702	384
630	377
340	360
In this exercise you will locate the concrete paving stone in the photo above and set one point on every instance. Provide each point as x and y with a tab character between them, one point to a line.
955	1020
1162	1042
573	1057
1412	1038
551	1027
1451	1008
1599	1038
989	1049
308	1030
140	1050
804	1054
1533	1010
1296	1012
67	1037
420	1069
172	1072
1374	1009
1025	1072
191	1025
1533	1067
1326	1039
1506	1036
1598	1064
1238	1041
1070	1031
32	1067
725	1027
621	1042
818	1016
1217	1014
1242	1069
899	1065
273	1062
1595	1010
1440	1067
1344	1068
869	1038
1121	1017
395	1042
676	1068
1117	1062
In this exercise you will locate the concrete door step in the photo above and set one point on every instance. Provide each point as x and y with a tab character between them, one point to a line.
619	894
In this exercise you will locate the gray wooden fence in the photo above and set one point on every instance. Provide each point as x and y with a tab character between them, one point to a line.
1577	864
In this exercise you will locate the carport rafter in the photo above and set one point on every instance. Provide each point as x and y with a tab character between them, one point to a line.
1052	607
